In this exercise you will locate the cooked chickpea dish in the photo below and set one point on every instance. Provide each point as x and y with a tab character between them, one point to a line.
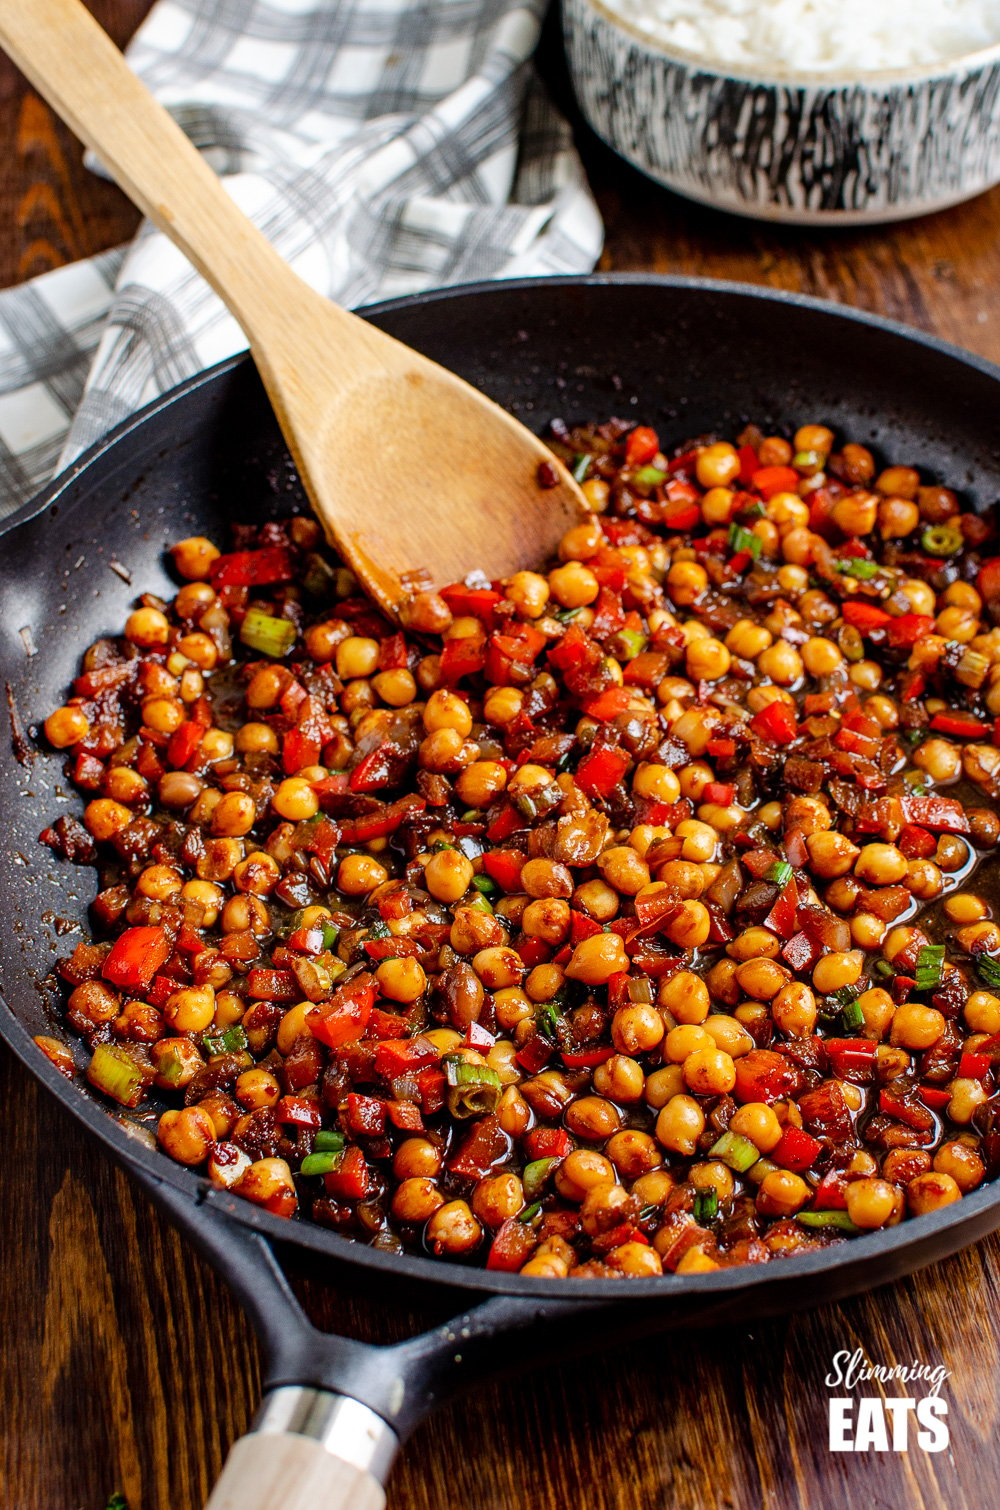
616	918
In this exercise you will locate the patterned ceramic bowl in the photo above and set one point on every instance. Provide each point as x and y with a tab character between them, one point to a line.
805	149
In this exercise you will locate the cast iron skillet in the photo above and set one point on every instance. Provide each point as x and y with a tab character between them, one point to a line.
684	355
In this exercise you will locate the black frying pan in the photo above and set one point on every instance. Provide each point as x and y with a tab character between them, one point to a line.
683	355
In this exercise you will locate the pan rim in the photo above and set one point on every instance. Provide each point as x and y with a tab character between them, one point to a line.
153	1168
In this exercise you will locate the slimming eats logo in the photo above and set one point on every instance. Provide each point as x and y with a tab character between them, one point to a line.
886	1423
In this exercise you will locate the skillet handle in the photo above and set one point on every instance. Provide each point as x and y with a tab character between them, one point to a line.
308	1448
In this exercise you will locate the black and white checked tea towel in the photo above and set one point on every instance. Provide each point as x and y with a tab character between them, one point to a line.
384	146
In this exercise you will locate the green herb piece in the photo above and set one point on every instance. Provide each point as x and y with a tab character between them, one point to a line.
736	1151
232	1040
988	966
648	477
780	873
266	634
741	539
321	1163
852	1016
629	643
706	1206
473	1089
565	614
581	466
753	510
883	967
331	933
530	1212
838	1219
479	903
858	568
807	462
535	1176
548	1015
486	885
441	844
327	1141
942	540
845	995
930	964
117	1502
379	929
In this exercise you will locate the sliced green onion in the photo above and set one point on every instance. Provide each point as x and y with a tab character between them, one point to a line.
324	1162
858	568
232	1040
565	614
628	643
942	540
930	963
648	477
548	1015
844	995
838	1219
441	844
780	873
763	1167
741	539
753	510
852	1016
530	1212
883	967
271	636
473	1089
640	989
736	1151
706	1205
114	1071
535	1175
989	969
327	1141
331	933
319	579
486	885
170	1067
479	903
807	461
581	466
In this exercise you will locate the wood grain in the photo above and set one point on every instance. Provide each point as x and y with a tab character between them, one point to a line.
125	1364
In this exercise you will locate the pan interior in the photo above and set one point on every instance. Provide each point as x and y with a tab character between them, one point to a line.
689	358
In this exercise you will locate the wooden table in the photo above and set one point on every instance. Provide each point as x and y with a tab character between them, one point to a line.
124	1363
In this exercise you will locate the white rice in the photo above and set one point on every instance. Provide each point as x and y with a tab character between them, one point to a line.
816	36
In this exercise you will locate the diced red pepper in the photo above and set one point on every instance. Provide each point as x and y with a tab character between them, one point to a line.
719	792
379	825
749	464
504	866
352	1181
776	722
272	985
433	1087
400	1056
771	480
942	814
601	770
830	1193
464	656
486	1144
796	1150
864	616
961	725
344	1019
904	632
507	822
801	952
642	445
721	749
904	1110
405	1115
298	1111
391	948
916	843
765	1075
364	1115
607	704
534	1054
472	602
301	747
379	768
547	1143
988	580
534	951
478	1037
135	958
512	1246
782	916
974	1066
252	568
681	516
185	742
851	1057
582	927
586	1059
386	1025
393	655
609	615
934	1096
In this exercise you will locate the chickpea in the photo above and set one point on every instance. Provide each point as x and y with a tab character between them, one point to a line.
448	875
929	1192
547	919
680	1124
497	967
952	853
940	759
982	1012
497	1198
682	1041
962	1163
637	1028
581	1171
690	926
707	660
502	705
256	1089
596	959
782	1193
759	1123
685	996
190	1010
830	854
717	465
66	726
781	662
193	558
295	800
356	656
416	1157
401	979
916	1026
753	943
234	816
416	1199
397	687
762	978
748	639
623	869
686	581
821	657
967	1096
713	1175
621	1079
924	880
598	900
481	782
573	585
186	1135
709	1072
870	1202
897	518
256	739
529	592
360	874
880	864
834	971
453	1229
446	710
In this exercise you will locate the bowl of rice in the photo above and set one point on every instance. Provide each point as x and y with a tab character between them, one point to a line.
805	111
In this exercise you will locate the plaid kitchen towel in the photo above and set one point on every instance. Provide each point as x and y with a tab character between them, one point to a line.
384	146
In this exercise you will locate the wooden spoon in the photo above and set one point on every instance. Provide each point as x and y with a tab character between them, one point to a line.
406	465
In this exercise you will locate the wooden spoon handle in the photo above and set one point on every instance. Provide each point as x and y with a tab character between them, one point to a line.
79	70
264	1471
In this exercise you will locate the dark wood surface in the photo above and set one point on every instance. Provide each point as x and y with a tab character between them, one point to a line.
125	1365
